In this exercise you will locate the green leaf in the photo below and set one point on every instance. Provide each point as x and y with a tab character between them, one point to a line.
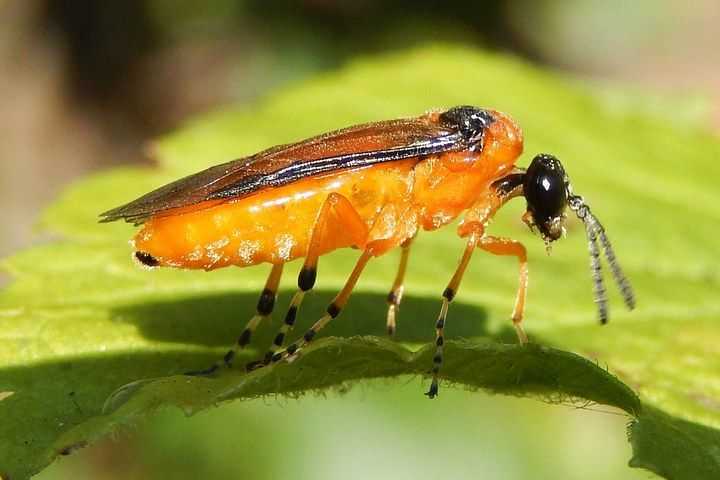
91	342
674	448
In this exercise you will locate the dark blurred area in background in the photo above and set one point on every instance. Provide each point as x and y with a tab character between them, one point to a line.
85	83
146	63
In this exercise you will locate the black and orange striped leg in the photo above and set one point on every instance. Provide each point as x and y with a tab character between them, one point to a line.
333	310
396	292
306	281
447	297
264	309
507	246
336	219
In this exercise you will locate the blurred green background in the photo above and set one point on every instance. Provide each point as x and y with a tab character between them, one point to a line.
87	84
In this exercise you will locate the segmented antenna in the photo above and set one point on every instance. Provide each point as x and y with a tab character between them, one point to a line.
595	231
622	282
596	270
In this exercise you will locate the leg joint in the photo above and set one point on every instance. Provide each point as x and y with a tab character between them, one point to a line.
449	294
392	298
266	302
333	310
309	335
228	358
291	314
306	278
245	337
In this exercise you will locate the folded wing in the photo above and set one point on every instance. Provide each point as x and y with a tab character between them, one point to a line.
354	147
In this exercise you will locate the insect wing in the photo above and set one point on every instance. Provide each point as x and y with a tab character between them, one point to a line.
353	147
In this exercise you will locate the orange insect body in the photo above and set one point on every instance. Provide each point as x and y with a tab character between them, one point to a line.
371	187
392	199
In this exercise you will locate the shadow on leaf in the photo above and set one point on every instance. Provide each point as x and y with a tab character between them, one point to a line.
217	320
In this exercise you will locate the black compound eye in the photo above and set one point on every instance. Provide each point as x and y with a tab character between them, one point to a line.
545	191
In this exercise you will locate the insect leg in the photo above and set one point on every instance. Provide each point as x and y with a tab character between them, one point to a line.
264	309
306	281
396	292
447	297
337	224
333	310
507	246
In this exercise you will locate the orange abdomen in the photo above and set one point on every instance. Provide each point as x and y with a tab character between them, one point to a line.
273	225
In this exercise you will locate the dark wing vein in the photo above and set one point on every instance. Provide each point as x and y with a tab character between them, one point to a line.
353	147
297	171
